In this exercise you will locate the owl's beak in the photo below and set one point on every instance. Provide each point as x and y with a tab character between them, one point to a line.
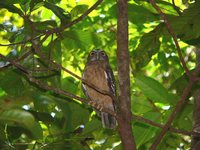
98	56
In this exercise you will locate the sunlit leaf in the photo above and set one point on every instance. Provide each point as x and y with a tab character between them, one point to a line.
11	8
58	11
79	9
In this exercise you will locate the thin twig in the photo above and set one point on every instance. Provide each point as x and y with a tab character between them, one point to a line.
176	8
171	31
172	129
22	42
62	28
51	88
187	88
58	66
18	59
173	115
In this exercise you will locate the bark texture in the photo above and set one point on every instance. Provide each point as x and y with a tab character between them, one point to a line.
195	145
124	110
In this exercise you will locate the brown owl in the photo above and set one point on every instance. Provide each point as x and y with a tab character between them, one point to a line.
98	72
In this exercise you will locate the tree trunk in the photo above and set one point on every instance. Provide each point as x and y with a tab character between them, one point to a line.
124	110
195	145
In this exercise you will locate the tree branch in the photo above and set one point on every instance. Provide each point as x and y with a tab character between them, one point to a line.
18	59
176	8
179	105
85	14
172	129
186	91
70	95
51	88
58	66
171	31
124	106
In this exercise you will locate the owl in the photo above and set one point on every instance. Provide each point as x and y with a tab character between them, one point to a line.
98	72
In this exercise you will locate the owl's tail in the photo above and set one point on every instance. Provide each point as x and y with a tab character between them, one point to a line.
108	120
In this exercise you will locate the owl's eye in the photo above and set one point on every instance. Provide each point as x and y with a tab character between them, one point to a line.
103	53
92	53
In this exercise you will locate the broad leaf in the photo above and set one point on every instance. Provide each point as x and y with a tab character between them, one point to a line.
17	117
79	9
152	89
149	45
11	8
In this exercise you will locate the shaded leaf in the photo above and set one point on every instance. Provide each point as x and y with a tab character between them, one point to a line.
149	45
9	78
152	89
91	126
17	117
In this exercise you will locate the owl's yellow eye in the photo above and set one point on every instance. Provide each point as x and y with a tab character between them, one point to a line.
92	53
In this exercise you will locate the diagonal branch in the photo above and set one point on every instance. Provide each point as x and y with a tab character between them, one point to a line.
85	14
172	129
176	8
42	85
58	66
171	31
179	105
18	59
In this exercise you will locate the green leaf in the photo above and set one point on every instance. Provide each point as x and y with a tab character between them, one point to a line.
110	141
69	84
74	113
139	104
138	18
43	103
185	117
11	8
36	4
149	45
2	133
36	131
152	89
58	11
11	83
79	9
15	1
91	126
179	84
17	117
78	39
25	7
45	25
143	132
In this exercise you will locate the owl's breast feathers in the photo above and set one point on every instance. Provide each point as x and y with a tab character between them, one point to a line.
96	74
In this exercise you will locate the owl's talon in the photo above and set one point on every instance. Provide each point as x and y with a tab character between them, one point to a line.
92	103
99	107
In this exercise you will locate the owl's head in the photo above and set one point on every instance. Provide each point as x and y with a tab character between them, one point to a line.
97	55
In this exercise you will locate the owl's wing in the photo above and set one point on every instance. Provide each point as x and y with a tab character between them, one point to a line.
111	80
84	88
111	83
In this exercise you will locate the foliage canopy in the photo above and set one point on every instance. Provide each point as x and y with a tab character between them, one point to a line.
34	118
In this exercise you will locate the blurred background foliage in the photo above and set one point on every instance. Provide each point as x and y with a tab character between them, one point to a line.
33	118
